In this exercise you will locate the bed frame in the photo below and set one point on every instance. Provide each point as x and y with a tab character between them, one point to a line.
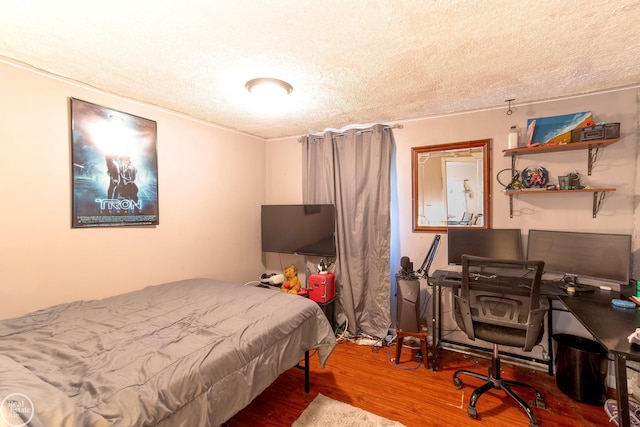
192	352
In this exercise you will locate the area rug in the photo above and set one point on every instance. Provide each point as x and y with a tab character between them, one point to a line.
324	411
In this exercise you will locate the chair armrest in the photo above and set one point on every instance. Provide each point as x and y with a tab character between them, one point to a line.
535	327
462	314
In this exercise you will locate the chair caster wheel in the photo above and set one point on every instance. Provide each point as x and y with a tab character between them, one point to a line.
457	382
471	410
540	403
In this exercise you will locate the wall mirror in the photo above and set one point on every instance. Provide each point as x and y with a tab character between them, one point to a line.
451	185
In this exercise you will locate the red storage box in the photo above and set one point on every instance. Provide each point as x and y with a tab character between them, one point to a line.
322	287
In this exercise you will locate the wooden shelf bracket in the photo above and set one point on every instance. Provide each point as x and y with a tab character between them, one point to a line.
510	205
593	156
597	201
599	195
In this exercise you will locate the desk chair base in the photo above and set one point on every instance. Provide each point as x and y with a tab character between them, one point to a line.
495	381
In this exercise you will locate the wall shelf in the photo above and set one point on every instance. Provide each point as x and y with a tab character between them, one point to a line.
547	148
592	146
598	195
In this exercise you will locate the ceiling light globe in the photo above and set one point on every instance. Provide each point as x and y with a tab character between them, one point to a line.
268	88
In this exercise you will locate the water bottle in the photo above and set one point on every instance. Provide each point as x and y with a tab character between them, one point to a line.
513	137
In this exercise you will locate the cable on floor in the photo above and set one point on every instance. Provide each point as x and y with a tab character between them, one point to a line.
399	366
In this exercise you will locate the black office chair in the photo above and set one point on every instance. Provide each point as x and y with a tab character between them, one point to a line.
464	220
499	301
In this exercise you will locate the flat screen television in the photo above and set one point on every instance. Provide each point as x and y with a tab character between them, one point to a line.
299	229
500	243
598	256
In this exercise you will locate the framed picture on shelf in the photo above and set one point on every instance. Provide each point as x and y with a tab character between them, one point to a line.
556	129
114	167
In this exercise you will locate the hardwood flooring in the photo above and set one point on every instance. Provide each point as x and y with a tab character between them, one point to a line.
366	377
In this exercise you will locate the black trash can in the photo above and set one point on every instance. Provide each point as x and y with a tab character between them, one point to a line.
581	368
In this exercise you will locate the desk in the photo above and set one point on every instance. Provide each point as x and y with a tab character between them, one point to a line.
610	327
451	279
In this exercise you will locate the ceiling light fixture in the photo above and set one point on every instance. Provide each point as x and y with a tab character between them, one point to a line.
268	87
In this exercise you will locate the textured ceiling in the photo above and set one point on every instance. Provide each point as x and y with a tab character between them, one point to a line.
349	61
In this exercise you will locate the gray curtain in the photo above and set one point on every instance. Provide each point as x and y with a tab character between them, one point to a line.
352	169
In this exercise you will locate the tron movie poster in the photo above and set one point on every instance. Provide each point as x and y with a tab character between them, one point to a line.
115	167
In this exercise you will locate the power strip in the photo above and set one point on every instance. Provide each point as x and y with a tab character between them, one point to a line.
272	279
369	341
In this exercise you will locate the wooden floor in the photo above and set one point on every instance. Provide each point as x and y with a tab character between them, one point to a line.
365	377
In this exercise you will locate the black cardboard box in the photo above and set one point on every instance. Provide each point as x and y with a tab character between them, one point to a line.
593	133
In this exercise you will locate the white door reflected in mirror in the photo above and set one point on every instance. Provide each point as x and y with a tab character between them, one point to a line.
450	185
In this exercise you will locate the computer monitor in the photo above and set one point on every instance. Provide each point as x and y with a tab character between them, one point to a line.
299	229
500	243
591	256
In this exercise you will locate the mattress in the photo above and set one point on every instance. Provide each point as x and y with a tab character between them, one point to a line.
189	353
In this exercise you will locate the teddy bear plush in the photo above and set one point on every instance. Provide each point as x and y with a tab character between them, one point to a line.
291	282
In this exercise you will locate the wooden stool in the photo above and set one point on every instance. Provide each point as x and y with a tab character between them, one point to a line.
422	336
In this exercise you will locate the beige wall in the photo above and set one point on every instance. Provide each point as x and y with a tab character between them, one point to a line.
616	167
212	182
211	186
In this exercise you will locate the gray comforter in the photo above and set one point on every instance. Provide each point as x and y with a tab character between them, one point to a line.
188	353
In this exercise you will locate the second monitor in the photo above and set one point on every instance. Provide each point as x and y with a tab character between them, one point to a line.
591	257
499	243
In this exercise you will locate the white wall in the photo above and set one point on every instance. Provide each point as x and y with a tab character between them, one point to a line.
211	186
616	167
212	182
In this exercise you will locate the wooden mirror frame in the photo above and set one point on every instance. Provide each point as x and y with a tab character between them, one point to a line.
485	144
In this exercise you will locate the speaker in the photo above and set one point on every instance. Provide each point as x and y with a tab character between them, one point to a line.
408	304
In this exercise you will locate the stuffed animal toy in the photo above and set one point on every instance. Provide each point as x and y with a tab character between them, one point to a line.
291	282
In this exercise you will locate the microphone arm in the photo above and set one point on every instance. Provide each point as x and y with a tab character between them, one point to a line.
426	264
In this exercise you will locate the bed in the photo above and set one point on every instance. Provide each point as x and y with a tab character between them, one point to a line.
187	353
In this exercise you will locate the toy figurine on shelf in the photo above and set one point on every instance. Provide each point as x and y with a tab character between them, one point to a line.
323	268
535	177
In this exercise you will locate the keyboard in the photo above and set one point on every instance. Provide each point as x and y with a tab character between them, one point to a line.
547	287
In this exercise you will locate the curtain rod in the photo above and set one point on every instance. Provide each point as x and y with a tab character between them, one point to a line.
359	132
